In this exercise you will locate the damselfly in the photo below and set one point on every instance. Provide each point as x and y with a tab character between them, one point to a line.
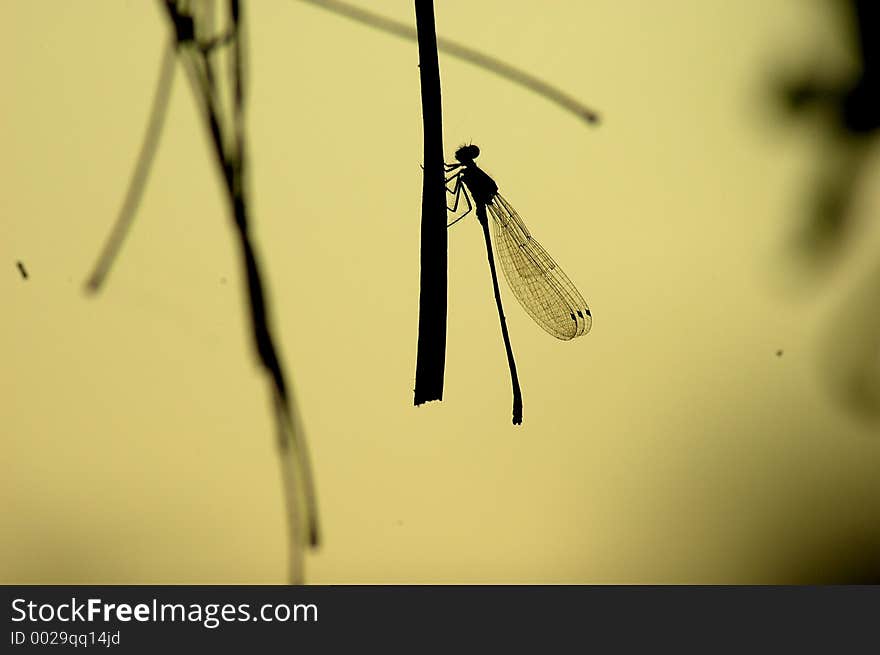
540	286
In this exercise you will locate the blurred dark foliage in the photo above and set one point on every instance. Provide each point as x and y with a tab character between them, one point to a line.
849	111
845	112
854	101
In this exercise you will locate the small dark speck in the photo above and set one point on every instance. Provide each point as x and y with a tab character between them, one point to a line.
779	353
22	270
398	523
222	280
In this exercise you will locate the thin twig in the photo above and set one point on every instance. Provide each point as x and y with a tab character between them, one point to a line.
463	52
139	176
231	155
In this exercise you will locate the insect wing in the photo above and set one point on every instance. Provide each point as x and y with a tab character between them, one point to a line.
540	286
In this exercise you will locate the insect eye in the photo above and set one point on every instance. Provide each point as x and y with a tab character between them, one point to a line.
467	153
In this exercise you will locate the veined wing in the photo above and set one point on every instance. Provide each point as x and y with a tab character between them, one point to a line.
538	283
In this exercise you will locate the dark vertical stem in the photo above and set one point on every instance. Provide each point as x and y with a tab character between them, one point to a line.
514	380
431	356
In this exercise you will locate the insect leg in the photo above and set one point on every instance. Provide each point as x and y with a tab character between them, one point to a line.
454	176
454	191
459	192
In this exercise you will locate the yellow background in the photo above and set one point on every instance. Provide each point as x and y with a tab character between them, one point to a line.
670	445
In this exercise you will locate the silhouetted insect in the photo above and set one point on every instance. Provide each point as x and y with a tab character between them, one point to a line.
538	283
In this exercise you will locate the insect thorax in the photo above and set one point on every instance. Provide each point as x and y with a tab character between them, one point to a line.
481	186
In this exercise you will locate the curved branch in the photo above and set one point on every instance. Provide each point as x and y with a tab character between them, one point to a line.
491	64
